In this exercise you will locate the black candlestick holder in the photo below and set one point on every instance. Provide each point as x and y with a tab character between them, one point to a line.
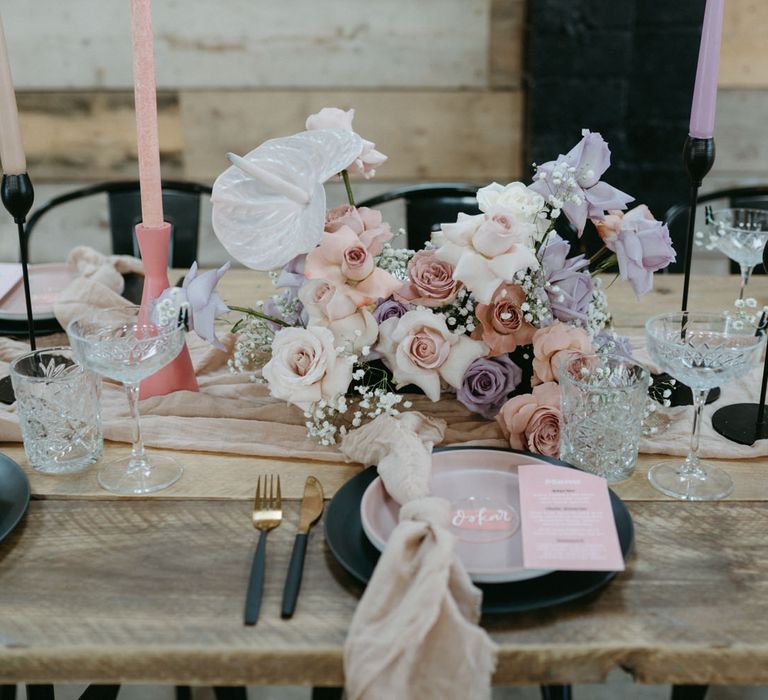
18	195
746	423
698	157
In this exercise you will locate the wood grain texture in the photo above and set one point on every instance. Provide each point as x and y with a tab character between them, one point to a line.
505	50
435	135
744	52
244	44
91	136
152	591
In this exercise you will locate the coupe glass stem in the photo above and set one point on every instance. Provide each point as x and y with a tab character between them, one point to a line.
746	271
691	467
138	457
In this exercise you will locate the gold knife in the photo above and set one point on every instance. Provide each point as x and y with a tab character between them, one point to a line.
310	512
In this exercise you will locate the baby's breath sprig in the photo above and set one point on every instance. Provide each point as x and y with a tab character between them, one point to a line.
395	260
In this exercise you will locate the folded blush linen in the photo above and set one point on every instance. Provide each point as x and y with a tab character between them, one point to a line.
415	632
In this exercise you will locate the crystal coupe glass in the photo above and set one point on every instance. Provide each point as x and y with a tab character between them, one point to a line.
121	344
702	350
741	234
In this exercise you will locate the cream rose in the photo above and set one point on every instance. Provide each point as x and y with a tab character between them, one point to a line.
327	306
419	349
523	203
305	367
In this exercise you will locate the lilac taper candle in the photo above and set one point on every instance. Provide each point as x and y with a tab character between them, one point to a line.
702	124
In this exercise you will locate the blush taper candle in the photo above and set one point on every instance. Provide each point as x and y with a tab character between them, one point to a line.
11	150
145	93
702	123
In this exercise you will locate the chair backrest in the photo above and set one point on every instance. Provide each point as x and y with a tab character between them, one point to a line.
181	209
428	205
754	197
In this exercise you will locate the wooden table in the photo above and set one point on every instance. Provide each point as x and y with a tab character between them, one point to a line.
106	589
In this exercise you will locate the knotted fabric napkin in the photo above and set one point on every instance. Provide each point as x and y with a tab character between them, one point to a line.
415	633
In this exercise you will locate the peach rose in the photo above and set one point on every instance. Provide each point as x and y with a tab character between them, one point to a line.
502	323
305	367
552	344
344	261
419	349
352	328
365	222
532	421
431	281
610	225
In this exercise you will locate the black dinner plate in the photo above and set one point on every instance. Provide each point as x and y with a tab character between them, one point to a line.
352	549
14	495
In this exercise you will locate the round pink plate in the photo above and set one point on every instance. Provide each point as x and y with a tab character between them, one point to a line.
482	487
46	282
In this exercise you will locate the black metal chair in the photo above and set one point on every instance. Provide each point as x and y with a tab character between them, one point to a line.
181	207
428	205
754	197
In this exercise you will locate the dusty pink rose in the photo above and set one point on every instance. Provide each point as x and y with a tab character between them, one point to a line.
365	222
532	421
551	345
419	349
305	367
431	281
610	225
502	323
335	118
344	261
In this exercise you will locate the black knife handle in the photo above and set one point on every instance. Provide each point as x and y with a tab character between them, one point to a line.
256	583
293	580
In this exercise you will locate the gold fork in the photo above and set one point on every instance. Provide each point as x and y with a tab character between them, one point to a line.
267	515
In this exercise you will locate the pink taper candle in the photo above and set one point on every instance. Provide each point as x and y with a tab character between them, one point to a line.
11	150
702	124
146	113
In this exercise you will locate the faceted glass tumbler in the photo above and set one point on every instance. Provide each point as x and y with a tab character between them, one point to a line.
57	402
603	401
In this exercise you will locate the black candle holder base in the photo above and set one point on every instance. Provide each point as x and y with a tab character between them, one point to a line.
738	423
681	393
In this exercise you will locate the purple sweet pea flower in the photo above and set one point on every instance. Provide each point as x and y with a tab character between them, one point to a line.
292	274
642	247
487	383
587	195
608	341
389	308
570	293
198	296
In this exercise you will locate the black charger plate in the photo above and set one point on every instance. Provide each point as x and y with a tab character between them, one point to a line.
14	495
352	549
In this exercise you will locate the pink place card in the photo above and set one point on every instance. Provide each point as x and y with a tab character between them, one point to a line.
566	520
10	276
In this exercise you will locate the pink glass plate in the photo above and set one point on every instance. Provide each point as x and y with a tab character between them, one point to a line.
46	282
482	486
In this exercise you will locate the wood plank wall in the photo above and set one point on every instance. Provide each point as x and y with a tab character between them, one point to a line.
436	83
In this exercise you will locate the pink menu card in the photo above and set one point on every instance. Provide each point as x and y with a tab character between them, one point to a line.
567	521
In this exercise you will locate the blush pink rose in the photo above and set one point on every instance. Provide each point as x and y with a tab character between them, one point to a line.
532	421
431	281
364	221
344	261
305	367
502	322
552	344
419	349
610	225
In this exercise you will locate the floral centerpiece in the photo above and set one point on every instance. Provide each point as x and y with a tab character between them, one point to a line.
483	313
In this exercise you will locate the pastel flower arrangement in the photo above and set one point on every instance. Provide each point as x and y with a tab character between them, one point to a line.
485	313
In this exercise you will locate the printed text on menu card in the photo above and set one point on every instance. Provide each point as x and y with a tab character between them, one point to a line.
567	520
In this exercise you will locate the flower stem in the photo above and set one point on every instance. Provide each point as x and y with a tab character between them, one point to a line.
604	265
348	187
252	312
598	254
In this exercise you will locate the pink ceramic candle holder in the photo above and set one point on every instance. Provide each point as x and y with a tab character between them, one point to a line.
179	375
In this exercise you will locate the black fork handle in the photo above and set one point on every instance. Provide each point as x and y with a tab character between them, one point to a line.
256	583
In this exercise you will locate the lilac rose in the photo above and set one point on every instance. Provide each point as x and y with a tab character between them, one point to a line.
642	247
487	383
570	290
588	196
389	308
